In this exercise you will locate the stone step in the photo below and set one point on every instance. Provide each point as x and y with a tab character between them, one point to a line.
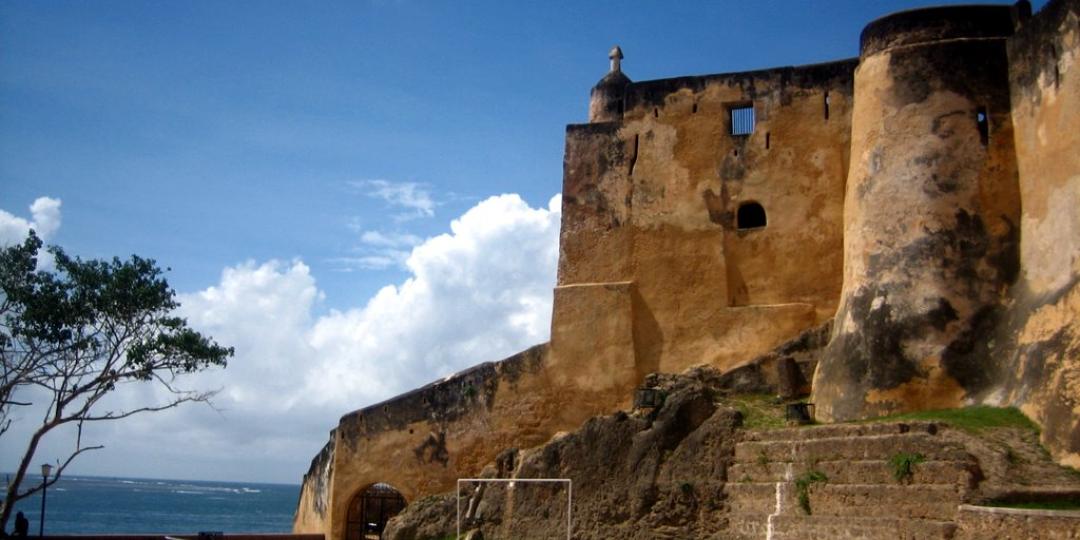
756	527
746	527
924	501
830	431
752	498
867	447
857	472
863	528
920	501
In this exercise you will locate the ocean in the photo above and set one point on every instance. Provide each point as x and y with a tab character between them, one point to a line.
87	504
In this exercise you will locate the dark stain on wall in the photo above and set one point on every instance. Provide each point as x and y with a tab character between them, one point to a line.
978	70
1035	50
836	76
715	206
318	477
433	449
592	151
936	24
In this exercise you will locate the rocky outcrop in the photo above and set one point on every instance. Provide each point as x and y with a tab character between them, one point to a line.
646	474
688	470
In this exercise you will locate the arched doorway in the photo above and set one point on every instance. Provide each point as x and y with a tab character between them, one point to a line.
371	509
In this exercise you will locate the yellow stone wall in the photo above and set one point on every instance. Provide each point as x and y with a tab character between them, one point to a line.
1045	84
955	250
652	200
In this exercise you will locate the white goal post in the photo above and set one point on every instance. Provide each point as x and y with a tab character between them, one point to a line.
569	495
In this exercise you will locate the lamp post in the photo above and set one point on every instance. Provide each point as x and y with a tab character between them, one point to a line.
45	470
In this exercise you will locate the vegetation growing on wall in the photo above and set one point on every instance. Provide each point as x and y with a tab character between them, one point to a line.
903	465
802	487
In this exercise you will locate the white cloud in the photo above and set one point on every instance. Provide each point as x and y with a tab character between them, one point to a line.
44	219
480	292
380	239
379	251
412	196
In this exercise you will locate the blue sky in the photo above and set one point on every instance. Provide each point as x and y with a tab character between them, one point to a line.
298	166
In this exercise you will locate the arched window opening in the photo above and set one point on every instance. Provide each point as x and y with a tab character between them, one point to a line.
751	215
371	509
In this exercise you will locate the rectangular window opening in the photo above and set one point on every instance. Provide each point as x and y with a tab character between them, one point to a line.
742	120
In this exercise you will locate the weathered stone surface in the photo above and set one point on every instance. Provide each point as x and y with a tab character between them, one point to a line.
979	522
1038	350
923	199
658	475
931	216
686	471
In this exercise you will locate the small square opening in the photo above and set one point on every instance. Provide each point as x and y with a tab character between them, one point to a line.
742	119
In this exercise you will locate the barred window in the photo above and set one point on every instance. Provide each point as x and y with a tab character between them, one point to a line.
742	120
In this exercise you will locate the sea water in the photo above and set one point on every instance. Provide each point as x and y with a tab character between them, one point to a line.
86	504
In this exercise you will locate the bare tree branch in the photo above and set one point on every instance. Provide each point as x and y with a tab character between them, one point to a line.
79	333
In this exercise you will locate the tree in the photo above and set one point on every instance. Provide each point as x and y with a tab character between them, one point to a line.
72	335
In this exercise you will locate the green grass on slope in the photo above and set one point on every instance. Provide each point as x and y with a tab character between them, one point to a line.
760	411
973	419
1063	504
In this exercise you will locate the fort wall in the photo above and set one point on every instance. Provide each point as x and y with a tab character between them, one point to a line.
654	200
919	203
963	230
1042	337
931	217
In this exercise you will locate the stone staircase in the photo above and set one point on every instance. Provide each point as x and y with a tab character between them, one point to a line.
860	496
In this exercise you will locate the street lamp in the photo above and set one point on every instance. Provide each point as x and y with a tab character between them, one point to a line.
45	470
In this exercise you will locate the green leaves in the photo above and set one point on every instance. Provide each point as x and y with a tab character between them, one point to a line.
78	330
903	465
99	308
802	487
83	326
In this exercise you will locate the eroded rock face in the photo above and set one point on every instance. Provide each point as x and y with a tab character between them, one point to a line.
634	476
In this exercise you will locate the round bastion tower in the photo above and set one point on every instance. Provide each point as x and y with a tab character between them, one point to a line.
606	100
930	218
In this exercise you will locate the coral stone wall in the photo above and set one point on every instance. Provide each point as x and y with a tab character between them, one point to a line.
1041	372
421	442
653	200
929	199
931	215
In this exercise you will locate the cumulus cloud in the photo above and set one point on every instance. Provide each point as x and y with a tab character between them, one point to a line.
480	292
379	250
44	220
412	196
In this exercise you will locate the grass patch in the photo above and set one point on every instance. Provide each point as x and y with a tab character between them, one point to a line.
759	411
802	487
903	465
972	419
1064	504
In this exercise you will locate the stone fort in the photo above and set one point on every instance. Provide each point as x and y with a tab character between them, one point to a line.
893	232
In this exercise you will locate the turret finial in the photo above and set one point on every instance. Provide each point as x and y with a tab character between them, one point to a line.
616	57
